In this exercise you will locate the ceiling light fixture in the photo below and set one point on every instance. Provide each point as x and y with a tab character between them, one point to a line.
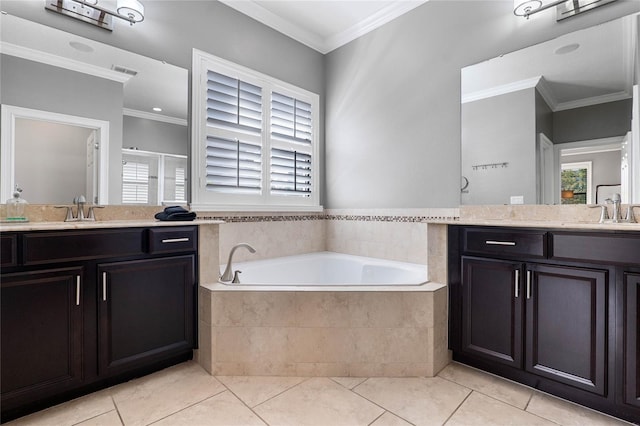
131	11
565	9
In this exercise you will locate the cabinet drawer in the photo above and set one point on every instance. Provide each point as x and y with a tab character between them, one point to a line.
601	248
9	250
170	240
505	242
53	247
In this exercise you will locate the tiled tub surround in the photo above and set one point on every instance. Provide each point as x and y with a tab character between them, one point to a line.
323	333
327	332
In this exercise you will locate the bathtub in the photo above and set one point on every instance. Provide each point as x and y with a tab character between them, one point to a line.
324	314
327	269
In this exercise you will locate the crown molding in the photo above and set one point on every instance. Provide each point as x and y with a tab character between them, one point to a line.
260	14
313	40
151	116
594	100
378	19
61	62
501	90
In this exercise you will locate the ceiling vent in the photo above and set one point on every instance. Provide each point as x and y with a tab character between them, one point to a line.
124	70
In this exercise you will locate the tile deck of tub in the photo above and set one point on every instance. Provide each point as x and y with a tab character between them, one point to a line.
187	395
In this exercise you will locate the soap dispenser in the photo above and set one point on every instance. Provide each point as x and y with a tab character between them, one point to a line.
16	207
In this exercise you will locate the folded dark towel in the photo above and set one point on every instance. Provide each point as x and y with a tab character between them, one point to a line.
175	213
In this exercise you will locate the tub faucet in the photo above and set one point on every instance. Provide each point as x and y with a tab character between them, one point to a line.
228	274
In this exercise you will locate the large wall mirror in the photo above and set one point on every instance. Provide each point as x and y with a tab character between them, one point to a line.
81	117
552	123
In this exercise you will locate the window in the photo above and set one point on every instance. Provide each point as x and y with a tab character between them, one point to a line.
153	178
255	141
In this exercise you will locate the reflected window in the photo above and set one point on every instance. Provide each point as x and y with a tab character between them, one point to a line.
153	178
575	181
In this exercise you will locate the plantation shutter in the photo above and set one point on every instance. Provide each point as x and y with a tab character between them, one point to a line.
233	145
135	182
291	153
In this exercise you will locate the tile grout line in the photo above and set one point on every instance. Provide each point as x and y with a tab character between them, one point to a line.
116	408
185	408
376	404
459	405
266	400
305	379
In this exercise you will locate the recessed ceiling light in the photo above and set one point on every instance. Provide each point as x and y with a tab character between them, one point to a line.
567	49
81	46
157	109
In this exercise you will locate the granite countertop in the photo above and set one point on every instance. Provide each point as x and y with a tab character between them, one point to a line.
563	224
54	226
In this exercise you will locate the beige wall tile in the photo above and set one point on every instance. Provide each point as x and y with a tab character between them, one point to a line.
227	369
323	309
203	355
208	253
321	369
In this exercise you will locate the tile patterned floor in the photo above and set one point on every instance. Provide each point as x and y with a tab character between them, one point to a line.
186	395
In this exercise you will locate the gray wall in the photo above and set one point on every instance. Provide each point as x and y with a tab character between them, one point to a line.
50	182
592	122
157	136
393	97
43	87
495	130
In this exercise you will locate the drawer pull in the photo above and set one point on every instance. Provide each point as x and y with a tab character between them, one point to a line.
500	243
175	240
104	286
517	284
77	290
528	284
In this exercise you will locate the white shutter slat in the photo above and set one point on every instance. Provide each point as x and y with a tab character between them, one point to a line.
290	173
233	103
290	119
233	164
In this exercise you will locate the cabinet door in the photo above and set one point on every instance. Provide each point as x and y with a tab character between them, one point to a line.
145	311
492	310
566	325
41	329
632	342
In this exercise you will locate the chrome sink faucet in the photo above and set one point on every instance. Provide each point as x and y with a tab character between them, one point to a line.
617	216
79	201
228	275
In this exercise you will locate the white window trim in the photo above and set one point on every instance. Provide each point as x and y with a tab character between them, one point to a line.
203	200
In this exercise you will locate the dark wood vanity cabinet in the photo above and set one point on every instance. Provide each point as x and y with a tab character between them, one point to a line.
87	309
631	338
143	311
42	334
526	306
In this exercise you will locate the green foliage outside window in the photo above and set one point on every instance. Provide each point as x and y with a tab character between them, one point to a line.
574	180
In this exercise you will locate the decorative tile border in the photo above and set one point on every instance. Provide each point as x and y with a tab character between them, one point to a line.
361	218
275	218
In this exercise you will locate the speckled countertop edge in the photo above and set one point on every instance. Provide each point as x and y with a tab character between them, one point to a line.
55	226
557	224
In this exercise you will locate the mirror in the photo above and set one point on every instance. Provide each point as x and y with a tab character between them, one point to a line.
77	115
532	119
